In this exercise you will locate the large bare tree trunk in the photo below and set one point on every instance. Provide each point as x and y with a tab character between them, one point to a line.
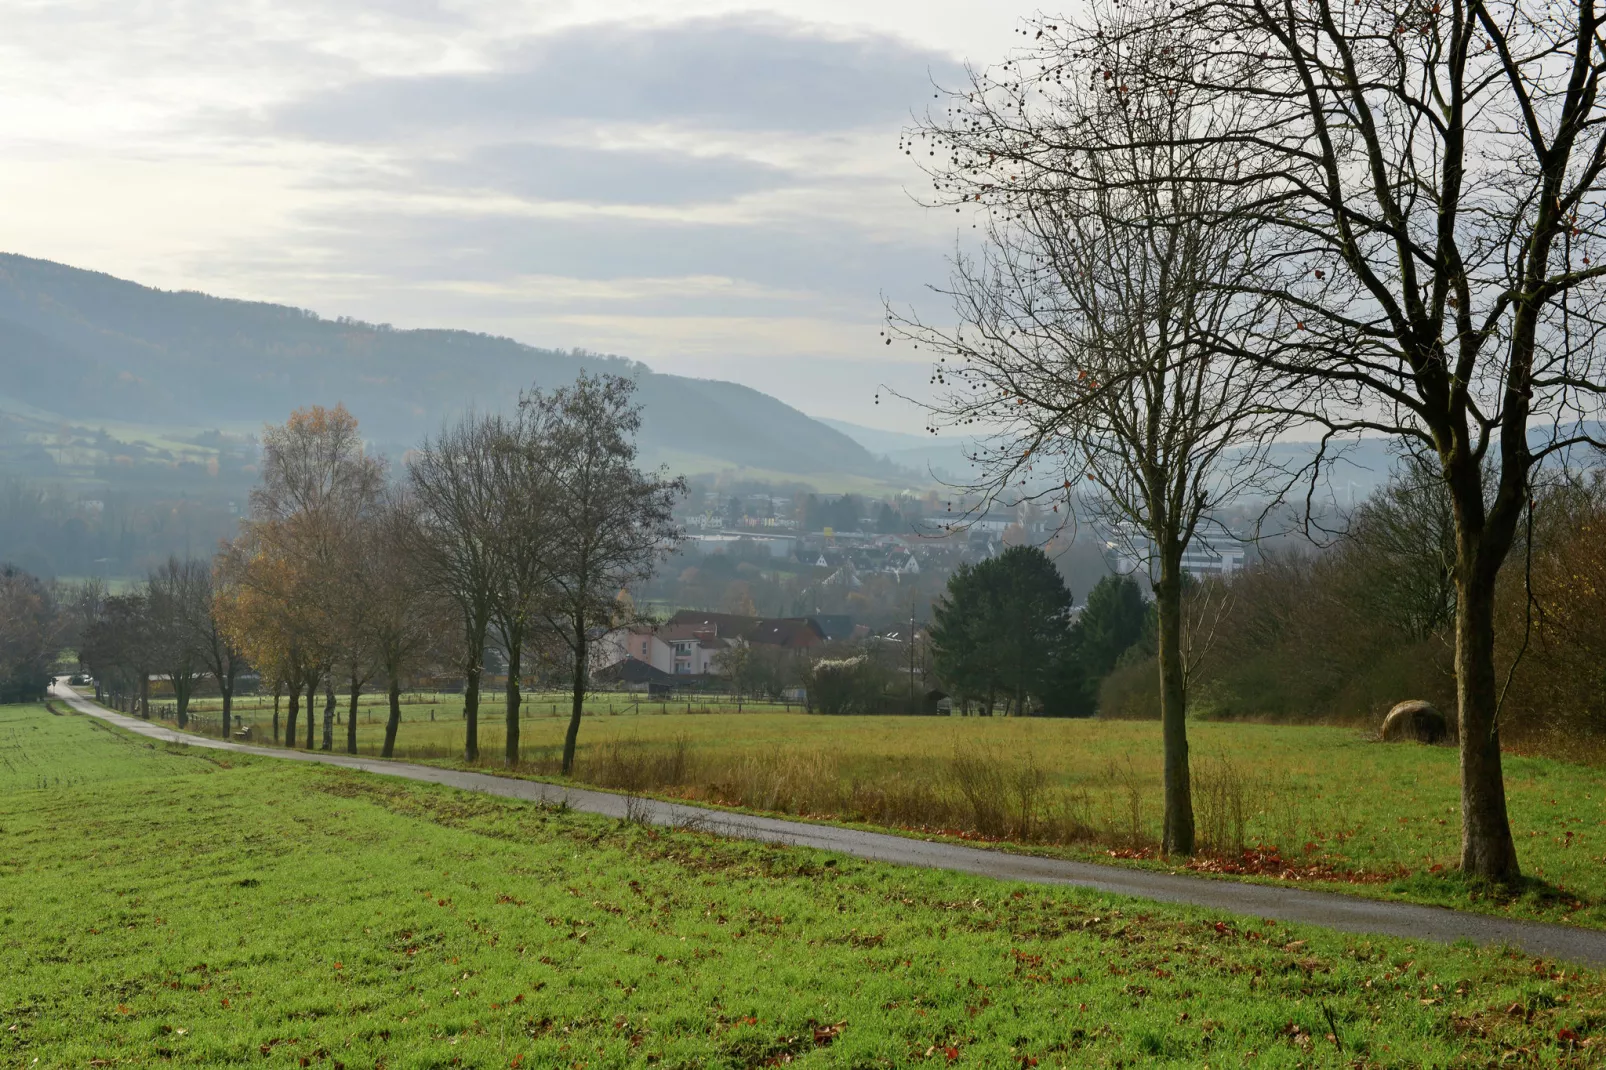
394	721
1177	831
513	666
578	707
471	711
328	712
351	717
1487	849
289	718
312	695
228	707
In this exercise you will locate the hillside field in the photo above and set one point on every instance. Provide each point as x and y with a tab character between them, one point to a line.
1325	805
163	906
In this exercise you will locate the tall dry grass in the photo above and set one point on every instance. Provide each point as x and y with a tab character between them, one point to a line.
982	792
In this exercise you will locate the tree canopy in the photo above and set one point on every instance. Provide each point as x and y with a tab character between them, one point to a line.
1000	632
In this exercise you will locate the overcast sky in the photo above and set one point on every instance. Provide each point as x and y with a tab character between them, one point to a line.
713	188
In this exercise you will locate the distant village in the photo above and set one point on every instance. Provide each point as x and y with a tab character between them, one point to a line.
796	574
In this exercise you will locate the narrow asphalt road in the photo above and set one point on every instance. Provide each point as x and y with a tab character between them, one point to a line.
1346	913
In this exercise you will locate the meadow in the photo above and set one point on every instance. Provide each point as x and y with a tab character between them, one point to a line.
164	906
1318	805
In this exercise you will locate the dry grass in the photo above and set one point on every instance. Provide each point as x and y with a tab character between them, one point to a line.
973	792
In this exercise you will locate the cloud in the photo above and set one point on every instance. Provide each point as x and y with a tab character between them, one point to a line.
606	176
536	290
776	261
736	73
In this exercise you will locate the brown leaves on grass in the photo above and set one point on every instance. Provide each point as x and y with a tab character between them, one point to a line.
785	1049
1267	862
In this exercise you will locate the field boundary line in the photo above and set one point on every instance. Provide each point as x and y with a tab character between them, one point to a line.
1328	909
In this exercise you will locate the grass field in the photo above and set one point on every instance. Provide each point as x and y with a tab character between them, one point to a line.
1324	805
160	906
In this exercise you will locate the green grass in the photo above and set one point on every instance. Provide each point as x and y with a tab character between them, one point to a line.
161	906
1339	810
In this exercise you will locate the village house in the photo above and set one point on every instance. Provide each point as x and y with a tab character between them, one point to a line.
690	643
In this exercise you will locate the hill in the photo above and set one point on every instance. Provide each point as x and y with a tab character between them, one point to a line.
99	347
926	455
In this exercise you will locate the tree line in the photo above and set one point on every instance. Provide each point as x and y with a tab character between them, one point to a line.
1341	634
507	533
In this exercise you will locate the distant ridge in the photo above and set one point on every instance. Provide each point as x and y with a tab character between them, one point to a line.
99	347
945	457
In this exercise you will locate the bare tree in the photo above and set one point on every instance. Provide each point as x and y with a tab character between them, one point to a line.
520	542
117	648
30	629
1429	191
452	480
1400	543
178	595
363	567
1103	326
218	650
616	520
405	618
81	604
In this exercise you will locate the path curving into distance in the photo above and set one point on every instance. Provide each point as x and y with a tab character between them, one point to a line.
1334	911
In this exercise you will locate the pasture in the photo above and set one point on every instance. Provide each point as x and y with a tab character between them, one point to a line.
163	906
1320	805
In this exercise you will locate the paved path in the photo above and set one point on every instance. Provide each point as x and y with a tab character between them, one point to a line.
1347	913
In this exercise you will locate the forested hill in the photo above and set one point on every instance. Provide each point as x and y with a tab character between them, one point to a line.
98	347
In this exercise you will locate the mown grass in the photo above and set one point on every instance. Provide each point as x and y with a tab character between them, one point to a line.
1321	805
161	906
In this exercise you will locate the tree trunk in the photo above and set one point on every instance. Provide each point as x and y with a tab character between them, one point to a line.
329	703
1177	835
351	717
1487	849
471	703
181	702
394	720
228	705
312	694
573	735
290	716
513	660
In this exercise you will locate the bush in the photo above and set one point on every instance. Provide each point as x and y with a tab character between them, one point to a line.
845	685
1132	691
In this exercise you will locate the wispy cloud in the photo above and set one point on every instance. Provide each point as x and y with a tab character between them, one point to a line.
743	72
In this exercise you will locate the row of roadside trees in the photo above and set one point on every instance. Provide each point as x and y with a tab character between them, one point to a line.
511	533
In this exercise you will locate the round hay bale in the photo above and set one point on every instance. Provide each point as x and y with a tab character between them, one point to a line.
1415	720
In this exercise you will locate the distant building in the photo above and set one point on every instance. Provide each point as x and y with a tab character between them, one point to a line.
1216	555
691	642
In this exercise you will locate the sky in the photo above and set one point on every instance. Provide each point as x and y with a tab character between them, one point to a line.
712	188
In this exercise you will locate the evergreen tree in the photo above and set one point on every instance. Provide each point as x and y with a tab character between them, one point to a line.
1000	632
